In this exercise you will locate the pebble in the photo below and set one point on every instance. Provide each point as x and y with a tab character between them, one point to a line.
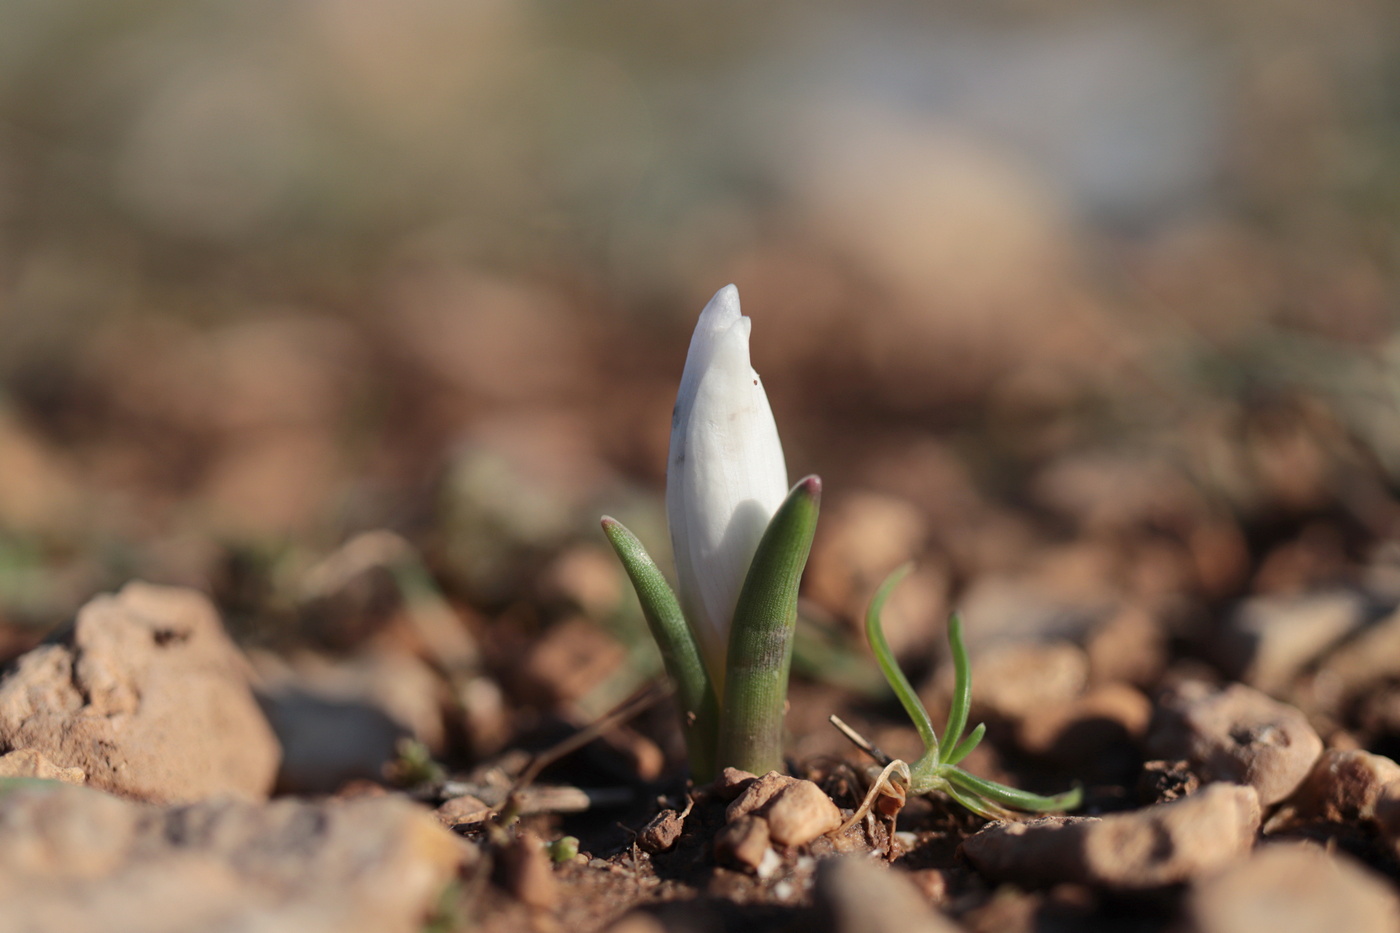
731	783
756	795
743	843
1344	786
1236	734
1110	719
29	763
800	813
1017	680
463	810
1158	845
1268	640
1292	888
662	832
861	897
528	873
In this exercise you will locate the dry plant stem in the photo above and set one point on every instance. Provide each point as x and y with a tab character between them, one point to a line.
760	638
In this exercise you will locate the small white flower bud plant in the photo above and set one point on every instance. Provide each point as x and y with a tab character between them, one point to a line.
740	538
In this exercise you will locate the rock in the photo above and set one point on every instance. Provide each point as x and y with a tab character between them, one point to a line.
1387	816
662	832
1292	888
1373	655
743	843
861	897
1104	726
27	763
757	795
796	811
1159	845
731	783
1344	786
78	859
527	872
1236	734
1016	680
1129	647
800	813
1267	640
147	696
462	811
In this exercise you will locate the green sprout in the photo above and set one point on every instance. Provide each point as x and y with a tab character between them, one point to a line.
937	769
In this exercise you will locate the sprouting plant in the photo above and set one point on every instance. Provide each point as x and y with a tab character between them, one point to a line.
937	769
741	538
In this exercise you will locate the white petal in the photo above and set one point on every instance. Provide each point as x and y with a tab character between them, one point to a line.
726	475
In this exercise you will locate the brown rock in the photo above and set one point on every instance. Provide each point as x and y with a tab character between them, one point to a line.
1387	815
147	696
865	536
1373	655
1344	786
1236	734
1016	680
28	763
1129	647
1156	846
731	783
463	810
77	859
800	813
1293	888
743	843
528	873
757	795
1267	640
861	897
1110	718
662	832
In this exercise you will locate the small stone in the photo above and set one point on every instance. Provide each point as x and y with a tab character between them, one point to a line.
1162	781
1344	786
800	813
528	873
462	811
1236	734
757	795
731	783
1293	888
29	763
1267	640
1387	816
1016	680
662	832
1129	647
1156	846
148	696
861	897
932	883
1108	718
743	843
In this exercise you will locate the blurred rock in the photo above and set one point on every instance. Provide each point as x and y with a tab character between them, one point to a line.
148	696
1344	786
861	897
1017	680
1236	734
1129	646
864	537
661	833
1373	655
1267	640
1159	845
570	659
340	719
1292	888
743	843
1100	730
462	811
27	763
77	859
527	872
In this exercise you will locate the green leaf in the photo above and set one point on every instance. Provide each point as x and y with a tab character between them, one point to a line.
962	686
908	697
1010	797
761	635
965	747
679	651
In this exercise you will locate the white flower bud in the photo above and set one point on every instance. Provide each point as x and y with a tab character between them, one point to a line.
725	476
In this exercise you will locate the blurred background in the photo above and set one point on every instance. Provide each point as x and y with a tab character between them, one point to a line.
1089	306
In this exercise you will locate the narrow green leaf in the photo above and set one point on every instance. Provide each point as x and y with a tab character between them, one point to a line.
1010	797
679	651
884	657
965	747
962	686
979	805
761	635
